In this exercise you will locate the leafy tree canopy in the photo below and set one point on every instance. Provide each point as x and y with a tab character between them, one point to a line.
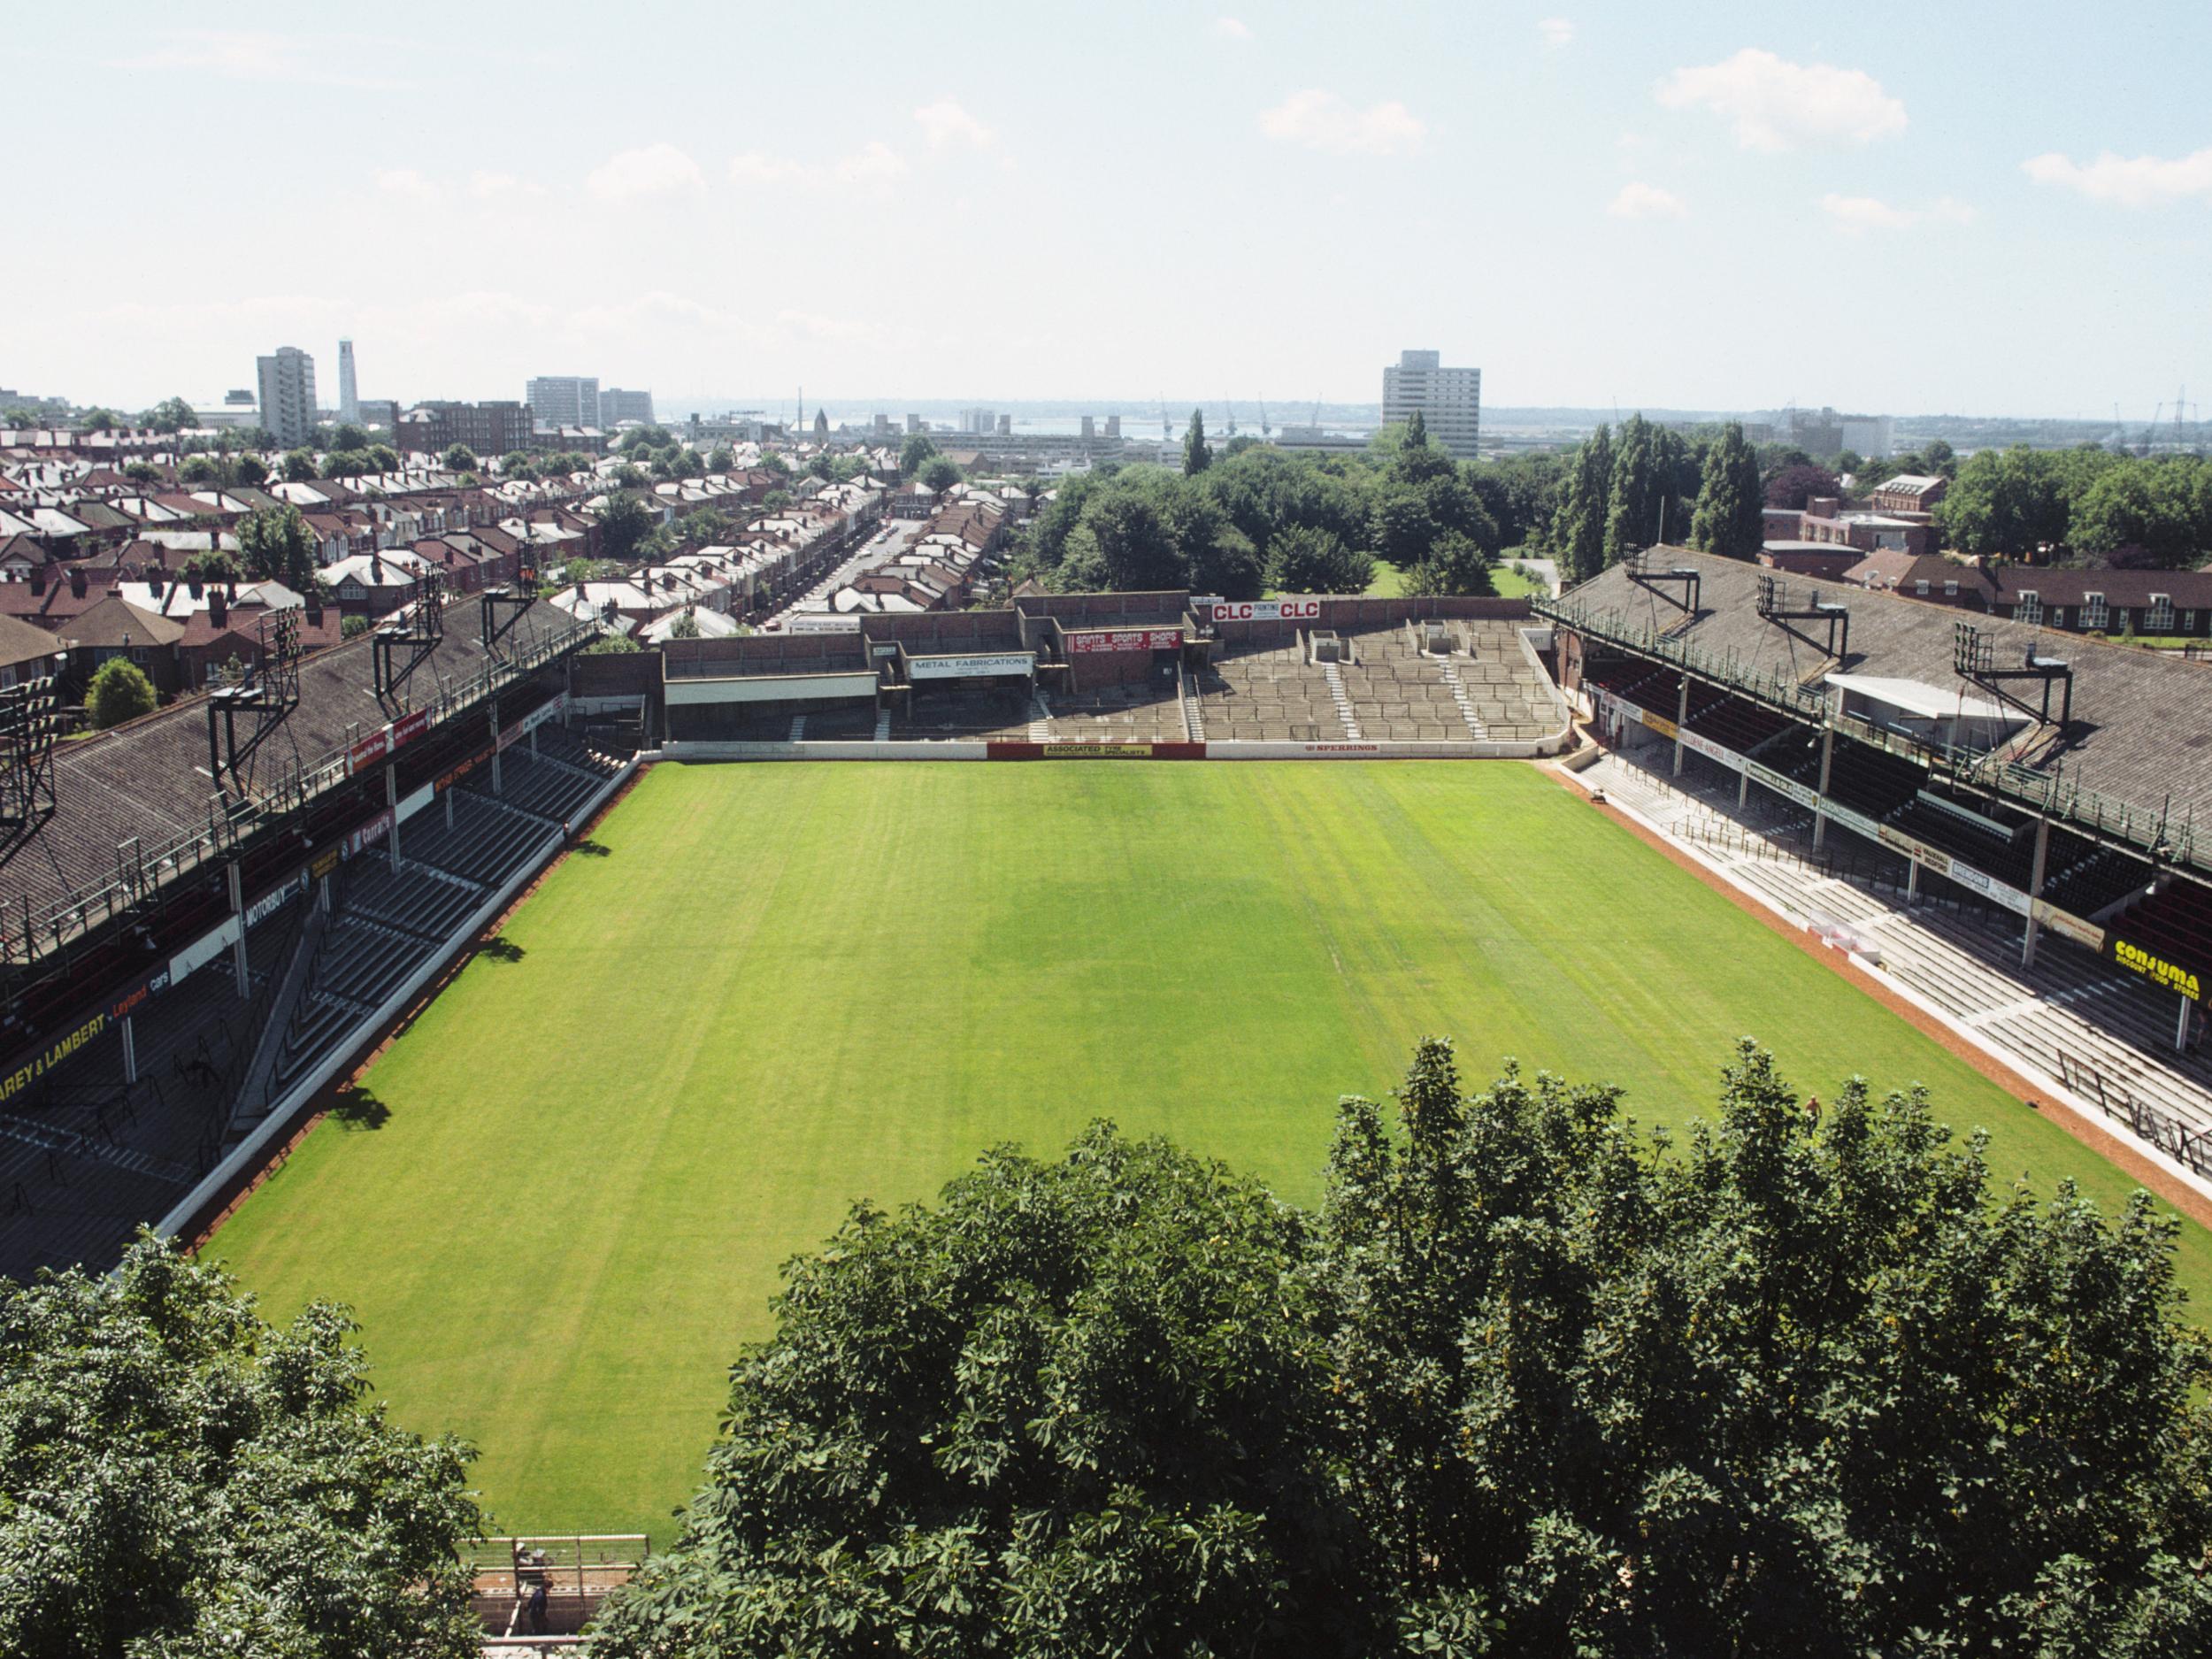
170	414
1524	1383
1196	455
120	691
940	473
459	457
191	1482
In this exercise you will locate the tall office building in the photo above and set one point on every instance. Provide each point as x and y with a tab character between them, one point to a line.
348	393
564	400
1449	400
288	395
617	406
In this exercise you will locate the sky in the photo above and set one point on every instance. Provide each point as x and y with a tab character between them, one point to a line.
1970	208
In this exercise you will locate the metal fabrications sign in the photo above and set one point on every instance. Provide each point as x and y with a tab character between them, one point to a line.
972	667
2157	969
1268	610
1097	640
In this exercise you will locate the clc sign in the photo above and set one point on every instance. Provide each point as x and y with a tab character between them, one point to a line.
1269	611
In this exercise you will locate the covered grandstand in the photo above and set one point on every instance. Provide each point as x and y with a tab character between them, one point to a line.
207	909
2057	780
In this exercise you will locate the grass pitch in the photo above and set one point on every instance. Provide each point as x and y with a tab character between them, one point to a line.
771	990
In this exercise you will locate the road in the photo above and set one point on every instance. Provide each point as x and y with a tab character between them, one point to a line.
886	542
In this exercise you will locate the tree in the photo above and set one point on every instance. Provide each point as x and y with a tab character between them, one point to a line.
2162	507
516	464
1794	486
142	472
1402	529
299	466
776	500
1301	560
248	470
613	643
353	628
940	473
347	435
277	545
1526	1382
1062	1413
459	457
1579	527
685	627
1642	511
1456	565
192	1482
720	459
1418	461
99	419
1132	545
170	414
211	566
625	521
2010	503
120	691
1731	517
349	463
1196	457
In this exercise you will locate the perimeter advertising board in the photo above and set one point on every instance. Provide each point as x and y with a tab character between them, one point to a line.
1093	641
1712	751
1267	611
977	667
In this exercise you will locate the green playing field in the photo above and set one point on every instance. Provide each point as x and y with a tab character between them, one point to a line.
764	992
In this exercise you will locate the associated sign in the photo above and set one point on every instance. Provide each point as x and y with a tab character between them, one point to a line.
1096	639
972	667
1268	610
1097	752
2156	968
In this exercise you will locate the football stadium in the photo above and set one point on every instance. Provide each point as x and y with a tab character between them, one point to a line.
541	1005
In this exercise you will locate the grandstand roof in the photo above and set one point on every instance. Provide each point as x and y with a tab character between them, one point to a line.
149	779
2142	720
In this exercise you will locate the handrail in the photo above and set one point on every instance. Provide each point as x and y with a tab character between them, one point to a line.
229	821
2051	793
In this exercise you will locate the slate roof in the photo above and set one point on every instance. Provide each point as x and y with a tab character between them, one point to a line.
2142	720
149	779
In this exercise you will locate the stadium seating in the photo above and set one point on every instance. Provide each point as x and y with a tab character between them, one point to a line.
2082	878
970	715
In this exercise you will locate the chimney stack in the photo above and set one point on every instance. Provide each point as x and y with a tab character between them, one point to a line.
76	583
217	605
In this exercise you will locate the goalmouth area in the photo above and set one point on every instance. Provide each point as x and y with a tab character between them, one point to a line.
559	1201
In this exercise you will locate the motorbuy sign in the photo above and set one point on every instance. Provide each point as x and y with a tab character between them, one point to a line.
972	667
1269	611
1124	639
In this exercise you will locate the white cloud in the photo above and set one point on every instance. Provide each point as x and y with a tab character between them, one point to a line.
1326	121
499	187
1639	200
1861	213
408	184
756	166
1557	32
946	123
1776	104
874	164
2131	182
1230	29
655	169
259	55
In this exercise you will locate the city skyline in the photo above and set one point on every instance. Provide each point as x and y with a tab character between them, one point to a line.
1740	210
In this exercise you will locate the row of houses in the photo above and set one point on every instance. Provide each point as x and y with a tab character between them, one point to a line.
967	523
